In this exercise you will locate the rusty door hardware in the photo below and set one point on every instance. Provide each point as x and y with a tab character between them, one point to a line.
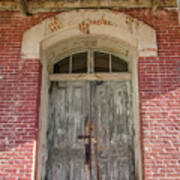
88	149
84	137
88	153
88	146
95	132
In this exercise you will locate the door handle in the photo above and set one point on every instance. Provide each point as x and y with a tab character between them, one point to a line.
87	153
87	147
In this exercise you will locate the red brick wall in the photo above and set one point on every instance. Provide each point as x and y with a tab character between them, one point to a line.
19	99
159	85
159	89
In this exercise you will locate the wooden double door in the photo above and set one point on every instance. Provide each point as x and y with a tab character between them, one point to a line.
90	131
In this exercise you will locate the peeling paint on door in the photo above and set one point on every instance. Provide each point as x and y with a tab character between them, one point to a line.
106	108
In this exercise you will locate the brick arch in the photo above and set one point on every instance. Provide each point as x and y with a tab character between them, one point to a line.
69	32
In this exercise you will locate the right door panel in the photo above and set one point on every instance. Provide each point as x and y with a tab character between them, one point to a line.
111	113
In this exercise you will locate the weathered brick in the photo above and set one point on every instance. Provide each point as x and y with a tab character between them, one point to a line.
159	91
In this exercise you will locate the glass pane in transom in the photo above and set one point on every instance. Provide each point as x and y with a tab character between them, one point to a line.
79	63
101	62
62	66
119	65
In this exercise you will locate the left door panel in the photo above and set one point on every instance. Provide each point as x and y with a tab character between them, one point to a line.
68	115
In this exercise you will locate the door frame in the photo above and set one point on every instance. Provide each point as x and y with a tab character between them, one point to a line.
48	60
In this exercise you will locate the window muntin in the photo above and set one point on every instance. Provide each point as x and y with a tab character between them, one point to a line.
89	62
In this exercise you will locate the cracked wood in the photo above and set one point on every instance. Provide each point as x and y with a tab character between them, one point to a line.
107	106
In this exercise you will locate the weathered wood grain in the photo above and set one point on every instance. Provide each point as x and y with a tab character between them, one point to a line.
107	106
69	108
112	117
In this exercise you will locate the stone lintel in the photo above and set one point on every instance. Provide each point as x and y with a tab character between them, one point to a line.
87	23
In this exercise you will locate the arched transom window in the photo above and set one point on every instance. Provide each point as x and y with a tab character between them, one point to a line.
90	62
